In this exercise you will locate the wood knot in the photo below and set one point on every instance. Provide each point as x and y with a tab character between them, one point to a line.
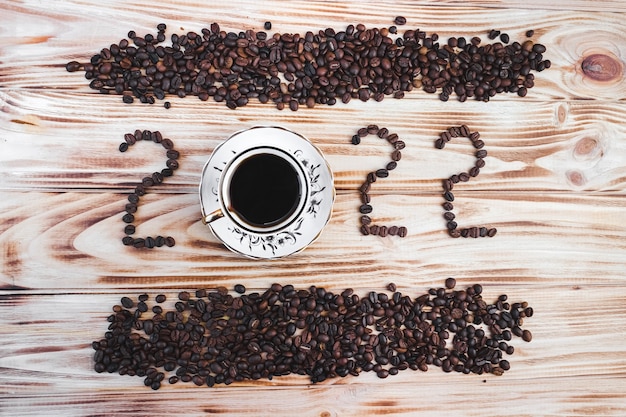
587	148
602	67
576	178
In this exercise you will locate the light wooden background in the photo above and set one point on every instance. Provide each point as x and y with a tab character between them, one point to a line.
554	186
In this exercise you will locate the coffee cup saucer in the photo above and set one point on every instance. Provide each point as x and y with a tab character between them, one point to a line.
303	228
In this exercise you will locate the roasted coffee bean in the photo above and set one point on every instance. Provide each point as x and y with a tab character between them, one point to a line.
382	173
365	209
493	34
243	337
240	289
450	283
399	20
267	25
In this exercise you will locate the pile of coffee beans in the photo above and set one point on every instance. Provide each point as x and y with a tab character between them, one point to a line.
220	338
292	70
147	182
367	228
448	184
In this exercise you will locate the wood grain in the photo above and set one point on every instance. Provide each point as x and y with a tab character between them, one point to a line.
565	238
48	351
563	146
554	186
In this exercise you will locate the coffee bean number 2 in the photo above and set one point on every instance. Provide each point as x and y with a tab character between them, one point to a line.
367	228
147	182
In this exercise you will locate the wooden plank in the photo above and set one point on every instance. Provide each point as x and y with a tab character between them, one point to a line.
73	30
56	241
46	348
69	141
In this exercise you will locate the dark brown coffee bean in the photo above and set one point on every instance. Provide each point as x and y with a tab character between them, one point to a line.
450	283
448	215
530	33
527	336
365	230
382	173
399	20
366	220
402	231
393	230
382	231
240	289
365	209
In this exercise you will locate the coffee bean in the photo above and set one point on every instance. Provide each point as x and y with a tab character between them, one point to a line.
382	173
493	34
240	289
267	25
399	20
530	33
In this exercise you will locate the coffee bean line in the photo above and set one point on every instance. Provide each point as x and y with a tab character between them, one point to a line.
367	228
156	178
293	70
448	184
219	338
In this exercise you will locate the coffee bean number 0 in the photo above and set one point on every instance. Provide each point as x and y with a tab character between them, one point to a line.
367	228
147	182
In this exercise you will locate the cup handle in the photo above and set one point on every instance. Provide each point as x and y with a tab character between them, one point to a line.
217	214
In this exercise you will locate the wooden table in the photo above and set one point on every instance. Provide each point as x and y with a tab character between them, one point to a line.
554	186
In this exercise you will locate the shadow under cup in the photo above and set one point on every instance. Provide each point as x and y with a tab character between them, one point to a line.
263	189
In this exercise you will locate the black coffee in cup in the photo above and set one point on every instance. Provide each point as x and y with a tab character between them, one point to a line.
264	189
